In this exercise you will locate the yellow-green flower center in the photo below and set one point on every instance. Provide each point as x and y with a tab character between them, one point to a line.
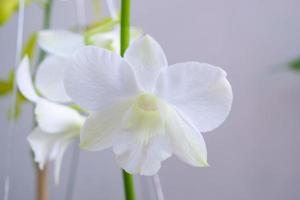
145	113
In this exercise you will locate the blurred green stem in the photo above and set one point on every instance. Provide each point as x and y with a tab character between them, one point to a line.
125	38
46	24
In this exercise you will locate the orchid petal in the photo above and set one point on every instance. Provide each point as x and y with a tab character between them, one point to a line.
49	79
24	81
142	152
143	143
187	143
50	147
56	118
42	145
61	148
147	58
201	93
98	79
60	42
101	128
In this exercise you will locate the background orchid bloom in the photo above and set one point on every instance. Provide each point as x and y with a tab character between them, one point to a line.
64	43
52	90
61	44
145	109
58	125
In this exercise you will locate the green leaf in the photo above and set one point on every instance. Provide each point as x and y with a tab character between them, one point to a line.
14	112
7	9
29	47
6	86
295	64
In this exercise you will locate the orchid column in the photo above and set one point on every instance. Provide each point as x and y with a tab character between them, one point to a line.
125	38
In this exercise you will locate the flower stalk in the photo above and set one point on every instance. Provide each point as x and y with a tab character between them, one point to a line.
46	24
42	175
125	38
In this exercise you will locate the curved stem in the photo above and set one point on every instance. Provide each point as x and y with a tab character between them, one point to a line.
125	38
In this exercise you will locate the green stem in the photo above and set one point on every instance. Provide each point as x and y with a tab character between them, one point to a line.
128	186
125	38
46	24
125	25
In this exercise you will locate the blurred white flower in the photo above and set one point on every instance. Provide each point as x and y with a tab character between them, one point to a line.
145	109
64	43
58	125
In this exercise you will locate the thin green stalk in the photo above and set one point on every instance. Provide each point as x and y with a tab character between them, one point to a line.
125	38
125	25
128	186
46	24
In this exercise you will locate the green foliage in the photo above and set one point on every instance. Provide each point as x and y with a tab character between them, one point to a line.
29	47
6	86
99	27
7	9
295	64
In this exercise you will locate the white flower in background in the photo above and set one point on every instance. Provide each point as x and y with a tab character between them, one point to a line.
60	45
145	109
58	125
64	43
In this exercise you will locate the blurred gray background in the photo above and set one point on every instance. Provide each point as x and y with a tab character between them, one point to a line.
253	155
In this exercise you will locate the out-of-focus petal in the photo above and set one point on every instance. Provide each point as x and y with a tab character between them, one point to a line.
24	81
49	79
60	42
50	147
42	145
56	118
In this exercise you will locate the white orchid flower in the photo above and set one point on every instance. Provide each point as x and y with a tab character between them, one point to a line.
64	43
58	125
61	44
145	109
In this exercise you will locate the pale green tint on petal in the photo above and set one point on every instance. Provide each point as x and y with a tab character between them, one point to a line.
187	143
98	79
101	128
200	91
49	79
60	42
55	118
24	81
143	144
147	59
141	152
